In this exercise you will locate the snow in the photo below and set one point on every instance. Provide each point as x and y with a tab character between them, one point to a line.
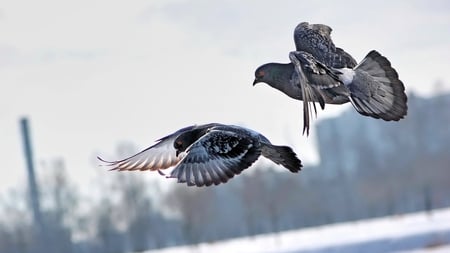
441	249
418	232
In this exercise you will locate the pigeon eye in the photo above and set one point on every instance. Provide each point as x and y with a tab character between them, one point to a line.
178	144
260	74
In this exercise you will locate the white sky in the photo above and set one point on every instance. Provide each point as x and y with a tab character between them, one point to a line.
91	74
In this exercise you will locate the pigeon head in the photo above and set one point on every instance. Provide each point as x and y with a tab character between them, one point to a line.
261	73
273	74
184	140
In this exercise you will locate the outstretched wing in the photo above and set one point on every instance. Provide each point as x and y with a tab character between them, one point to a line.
313	77
161	155
215	158
316	40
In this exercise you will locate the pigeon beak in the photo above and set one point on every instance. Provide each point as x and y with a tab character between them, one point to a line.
177	153
255	82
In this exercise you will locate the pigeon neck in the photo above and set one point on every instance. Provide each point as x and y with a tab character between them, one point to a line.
282	80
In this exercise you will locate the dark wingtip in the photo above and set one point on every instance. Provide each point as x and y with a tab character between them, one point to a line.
305	129
305	120
107	163
103	160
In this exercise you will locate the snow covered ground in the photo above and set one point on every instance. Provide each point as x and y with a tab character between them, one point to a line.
413	233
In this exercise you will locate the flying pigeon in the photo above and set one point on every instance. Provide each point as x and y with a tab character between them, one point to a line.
321	72
208	154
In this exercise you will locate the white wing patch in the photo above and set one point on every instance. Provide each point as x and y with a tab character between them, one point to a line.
347	75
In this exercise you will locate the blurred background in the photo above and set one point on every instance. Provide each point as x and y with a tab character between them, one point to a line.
88	78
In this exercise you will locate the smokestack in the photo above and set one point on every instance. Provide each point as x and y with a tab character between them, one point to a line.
32	185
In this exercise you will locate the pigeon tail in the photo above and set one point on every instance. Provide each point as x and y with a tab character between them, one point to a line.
375	89
282	155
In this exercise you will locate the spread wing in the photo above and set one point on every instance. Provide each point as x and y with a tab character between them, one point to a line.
215	158
313	77
161	155
316	40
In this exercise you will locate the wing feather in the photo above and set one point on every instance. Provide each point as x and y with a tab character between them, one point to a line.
307	69
316	40
218	156
161	155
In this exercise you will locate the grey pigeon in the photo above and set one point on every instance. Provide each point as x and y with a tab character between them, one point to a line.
321	72
208	154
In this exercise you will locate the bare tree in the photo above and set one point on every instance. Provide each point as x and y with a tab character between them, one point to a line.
16	228
109	237
136	210
61	198
253	194
195	207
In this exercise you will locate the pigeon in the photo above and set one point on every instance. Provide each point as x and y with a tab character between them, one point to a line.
207	154
321	72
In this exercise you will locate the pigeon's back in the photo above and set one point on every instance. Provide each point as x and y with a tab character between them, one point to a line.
316	40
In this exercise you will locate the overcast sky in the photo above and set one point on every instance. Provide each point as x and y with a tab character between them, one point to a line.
91	74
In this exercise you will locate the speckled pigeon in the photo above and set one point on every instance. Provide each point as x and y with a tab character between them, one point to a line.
208	154
321	72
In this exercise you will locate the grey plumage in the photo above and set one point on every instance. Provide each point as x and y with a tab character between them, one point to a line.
376	90
316	40
321	72
208	154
